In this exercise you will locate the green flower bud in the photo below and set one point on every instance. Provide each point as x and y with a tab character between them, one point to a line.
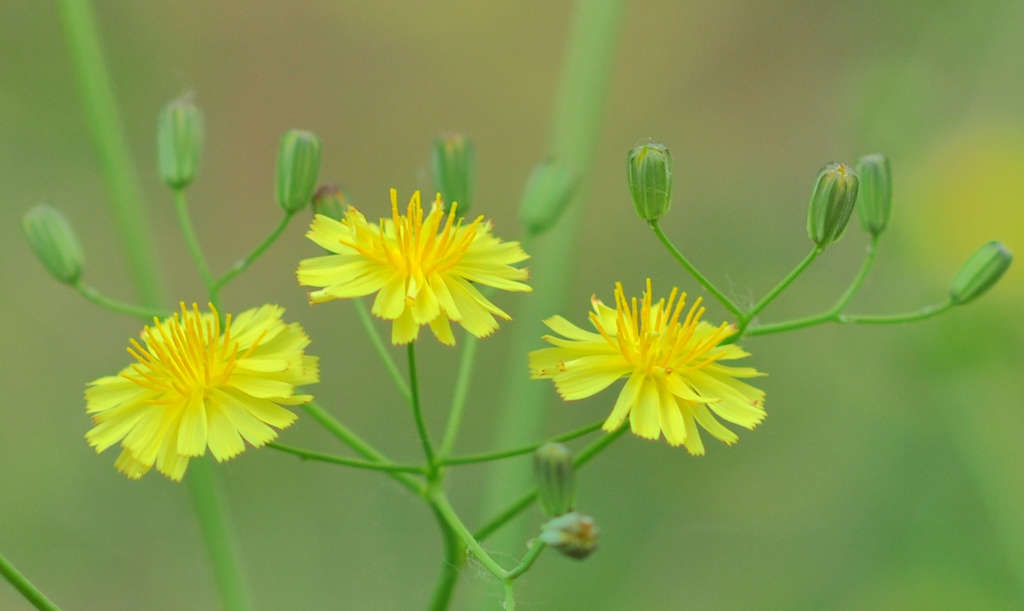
980	273
453	164
298	165
835	193
330	201
548	191
179	142
650	180
573	535
556	479
874	193
53	240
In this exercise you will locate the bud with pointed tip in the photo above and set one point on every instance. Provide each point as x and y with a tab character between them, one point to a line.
53	240
573	535
556	479
330	201
874	192
179	142
298	166
980	273
548	191
453	165
650	180
832	201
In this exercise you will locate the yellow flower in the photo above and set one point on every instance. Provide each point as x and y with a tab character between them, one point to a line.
675	381
422	268
196	385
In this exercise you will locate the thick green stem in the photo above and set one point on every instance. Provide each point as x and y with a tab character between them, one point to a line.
194	249
462	382
510	599
707	284
382	349
477	458
348	462
108	135
120	307
417	410
23	585
454	560
244	263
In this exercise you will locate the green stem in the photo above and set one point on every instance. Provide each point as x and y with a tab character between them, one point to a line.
440	503
862	275
781	286
212	510
531	556
120	307
417	411
23	585
510	599
339	430
454	560
243	264
194	249
477	458
382	349
348	462
711	288
462	381
108	135
891	319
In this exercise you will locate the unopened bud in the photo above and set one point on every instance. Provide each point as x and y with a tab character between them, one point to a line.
548	191
330	201
53	240
298	165
650	180
874	192
556	479
453	164
179	142
980	273
573	535
832	201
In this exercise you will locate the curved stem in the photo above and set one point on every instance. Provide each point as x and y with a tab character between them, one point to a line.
781	286
536	547
194	249
454	560
25	587
348	462
244	263
120	307
890	319
339	430
477	458
869	260
440	503
711	288
465	376
382	349
417	411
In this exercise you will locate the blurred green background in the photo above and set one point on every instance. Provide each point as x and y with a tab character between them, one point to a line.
890	472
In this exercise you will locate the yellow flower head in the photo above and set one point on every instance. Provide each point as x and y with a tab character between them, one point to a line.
196	385
421	267
673	366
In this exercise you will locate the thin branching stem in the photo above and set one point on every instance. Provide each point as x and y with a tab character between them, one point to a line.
347	462
245	262
478	458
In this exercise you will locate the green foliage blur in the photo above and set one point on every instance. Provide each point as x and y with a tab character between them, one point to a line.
890	471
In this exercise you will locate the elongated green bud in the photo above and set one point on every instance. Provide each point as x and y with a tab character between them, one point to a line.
330	201
573	535
832	201
180	132
298	166
650	180
53	240
980	273
453	165
548	191
874	193
556	479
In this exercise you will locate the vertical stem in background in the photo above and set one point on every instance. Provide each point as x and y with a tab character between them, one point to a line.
107	131
577	120
126	195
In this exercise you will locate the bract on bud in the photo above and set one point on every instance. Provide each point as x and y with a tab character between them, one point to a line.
980	273
650	180
180	132
298	165
453	164
832	201
556	479
548	191
330	201
53	240
573	535
874	192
